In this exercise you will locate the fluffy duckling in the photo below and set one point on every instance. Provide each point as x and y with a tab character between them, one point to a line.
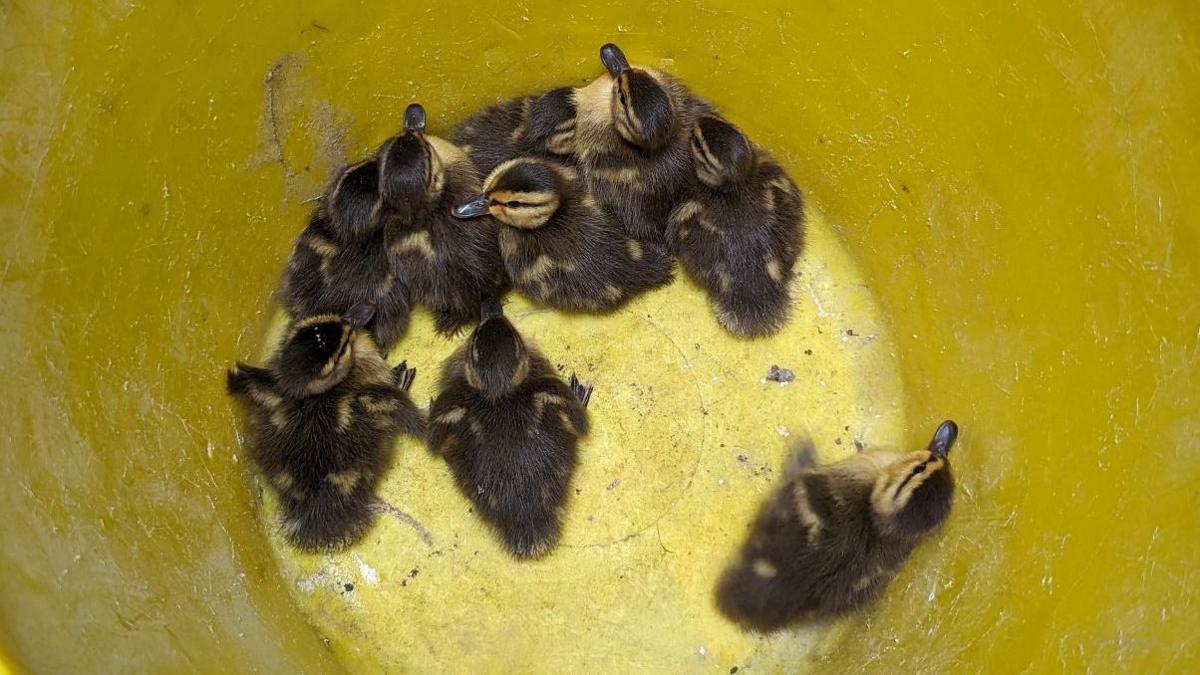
444	264
559	247
323	417
508	427
831	538
632	142
341	260
739	229
539	126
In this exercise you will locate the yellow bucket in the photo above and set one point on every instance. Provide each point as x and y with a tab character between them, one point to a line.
1004	231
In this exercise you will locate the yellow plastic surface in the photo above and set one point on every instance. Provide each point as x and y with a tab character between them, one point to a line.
688	438
1016	185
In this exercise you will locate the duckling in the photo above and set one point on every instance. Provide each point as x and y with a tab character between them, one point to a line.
539	126
509	428
443	264
340	259
559	247
632	141
831	538
323	417
739	229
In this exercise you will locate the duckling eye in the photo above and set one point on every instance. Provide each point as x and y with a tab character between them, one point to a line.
920	468
621	95
512	205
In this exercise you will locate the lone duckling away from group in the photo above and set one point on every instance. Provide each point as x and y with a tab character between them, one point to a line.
559	246
509	429
322	421
831	538
739	229
444	264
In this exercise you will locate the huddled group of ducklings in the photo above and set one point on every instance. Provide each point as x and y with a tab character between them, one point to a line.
580	199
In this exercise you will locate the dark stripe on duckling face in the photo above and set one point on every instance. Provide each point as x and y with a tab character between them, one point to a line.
643	111
914	494
722	153
523	193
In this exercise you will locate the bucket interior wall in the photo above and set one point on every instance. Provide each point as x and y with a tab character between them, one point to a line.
1018	185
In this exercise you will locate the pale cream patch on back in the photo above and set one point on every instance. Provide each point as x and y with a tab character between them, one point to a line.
774	270
612	292
375	405
265	398
284	481
451	416
538	271
685	211
783	184
562	142
345	481
805	513
343	413
321	246
769	199
417	242
540	400
627	175
520	130
635	249
763	568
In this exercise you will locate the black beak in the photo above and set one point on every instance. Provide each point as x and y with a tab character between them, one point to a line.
414	118
359	315
943	439
613	59
480	206
491	308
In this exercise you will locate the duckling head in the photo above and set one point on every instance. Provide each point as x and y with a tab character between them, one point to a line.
721	153
497	360
318	353
410	169
643	110
523	193
914	494
353	201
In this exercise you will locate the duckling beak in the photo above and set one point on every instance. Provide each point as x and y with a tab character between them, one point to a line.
414	118
943	439
480	206
613	59
359	315
491	308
